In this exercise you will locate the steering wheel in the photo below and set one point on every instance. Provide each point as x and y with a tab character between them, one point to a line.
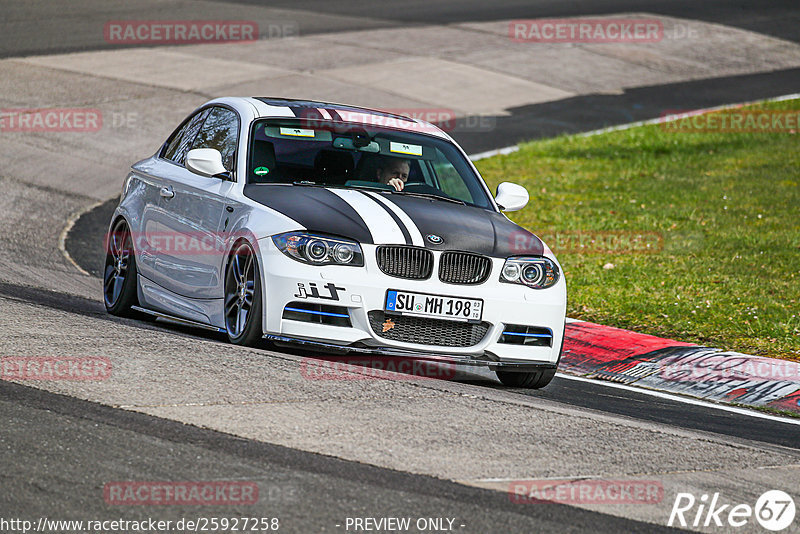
417	187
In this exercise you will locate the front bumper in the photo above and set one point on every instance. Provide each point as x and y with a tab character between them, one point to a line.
485	360
363	289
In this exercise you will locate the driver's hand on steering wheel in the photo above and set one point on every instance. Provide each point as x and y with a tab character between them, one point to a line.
397	183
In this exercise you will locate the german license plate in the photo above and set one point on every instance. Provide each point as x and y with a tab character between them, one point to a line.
438	306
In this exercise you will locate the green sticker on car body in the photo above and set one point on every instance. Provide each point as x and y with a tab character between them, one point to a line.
261	171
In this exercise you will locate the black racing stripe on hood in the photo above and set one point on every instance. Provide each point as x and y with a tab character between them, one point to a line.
468	228
316	208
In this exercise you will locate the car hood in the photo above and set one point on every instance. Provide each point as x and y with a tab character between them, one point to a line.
381	219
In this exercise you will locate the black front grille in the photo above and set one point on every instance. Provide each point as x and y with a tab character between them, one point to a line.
427	331
464	268
405	262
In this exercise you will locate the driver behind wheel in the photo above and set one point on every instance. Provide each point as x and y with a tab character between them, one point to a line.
393	171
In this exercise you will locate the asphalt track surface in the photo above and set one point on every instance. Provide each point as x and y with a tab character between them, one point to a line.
85	240
51	27
72	447
58	451
45	28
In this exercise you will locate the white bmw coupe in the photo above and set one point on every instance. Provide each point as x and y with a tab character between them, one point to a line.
338	228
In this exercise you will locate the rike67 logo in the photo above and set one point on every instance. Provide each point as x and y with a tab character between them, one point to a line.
774	510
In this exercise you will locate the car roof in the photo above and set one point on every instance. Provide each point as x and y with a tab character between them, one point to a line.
271	107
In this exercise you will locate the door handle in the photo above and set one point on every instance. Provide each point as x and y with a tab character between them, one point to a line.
167	192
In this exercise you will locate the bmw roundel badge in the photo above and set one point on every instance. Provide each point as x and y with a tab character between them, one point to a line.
435	239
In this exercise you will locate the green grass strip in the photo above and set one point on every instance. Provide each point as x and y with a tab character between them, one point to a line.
673	232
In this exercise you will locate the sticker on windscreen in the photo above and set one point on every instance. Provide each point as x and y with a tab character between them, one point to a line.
261	171
297	132
405	148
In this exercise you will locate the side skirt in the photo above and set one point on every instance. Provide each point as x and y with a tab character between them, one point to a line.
178	320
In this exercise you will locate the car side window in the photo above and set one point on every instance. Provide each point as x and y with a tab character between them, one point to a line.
179	144
220	131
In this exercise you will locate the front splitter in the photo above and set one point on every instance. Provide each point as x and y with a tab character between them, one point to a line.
487	359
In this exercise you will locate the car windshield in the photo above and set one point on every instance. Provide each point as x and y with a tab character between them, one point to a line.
335	154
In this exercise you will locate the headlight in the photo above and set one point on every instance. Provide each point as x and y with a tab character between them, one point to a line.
536	272
319	250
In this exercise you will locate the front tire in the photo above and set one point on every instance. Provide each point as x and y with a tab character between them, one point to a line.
119	273
534	380
531	380
243	297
